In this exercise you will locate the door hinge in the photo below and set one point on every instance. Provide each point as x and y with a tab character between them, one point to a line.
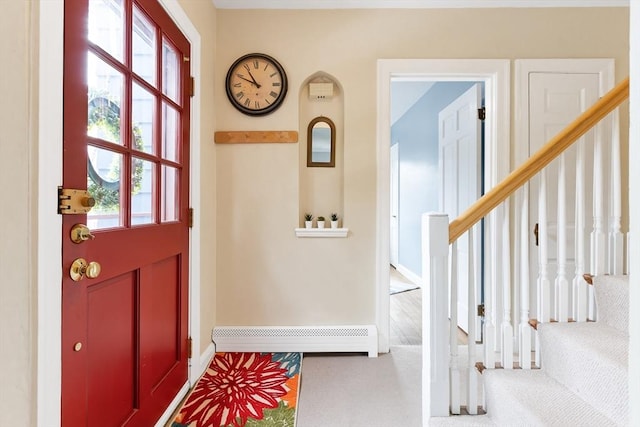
192	86
189	347
190	219
482	113
481	310
72	201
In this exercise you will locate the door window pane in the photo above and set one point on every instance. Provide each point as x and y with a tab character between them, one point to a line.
170	71
105	99
106	26
169	133
105	186
142	173
142	112
144	47
170	194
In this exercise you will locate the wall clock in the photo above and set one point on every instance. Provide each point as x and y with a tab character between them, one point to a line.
256	84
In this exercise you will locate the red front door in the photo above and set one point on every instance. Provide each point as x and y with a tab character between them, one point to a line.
126	140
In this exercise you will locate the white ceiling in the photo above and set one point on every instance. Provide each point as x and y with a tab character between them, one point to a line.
410	4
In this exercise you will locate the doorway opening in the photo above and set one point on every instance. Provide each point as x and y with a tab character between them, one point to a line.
494	75
436	161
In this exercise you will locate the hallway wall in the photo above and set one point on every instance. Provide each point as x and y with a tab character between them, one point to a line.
267	276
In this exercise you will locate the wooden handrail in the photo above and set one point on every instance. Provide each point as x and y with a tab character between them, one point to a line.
545	155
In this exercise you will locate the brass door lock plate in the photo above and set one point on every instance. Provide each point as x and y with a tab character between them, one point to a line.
72	201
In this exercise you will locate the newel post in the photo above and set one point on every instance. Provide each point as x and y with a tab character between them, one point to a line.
435	351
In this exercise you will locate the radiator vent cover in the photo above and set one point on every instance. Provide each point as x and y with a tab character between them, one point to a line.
297	339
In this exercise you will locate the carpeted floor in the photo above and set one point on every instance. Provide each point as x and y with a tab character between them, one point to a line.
351	390
244	389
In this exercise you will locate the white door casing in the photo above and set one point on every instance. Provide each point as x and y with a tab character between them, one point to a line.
51	30
495	74
460	158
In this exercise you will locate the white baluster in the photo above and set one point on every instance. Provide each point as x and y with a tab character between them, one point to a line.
598	256
506	326
472	390
627	269
524	349
616	238
579	285
489	295
435	319
544	285
454	366
561	299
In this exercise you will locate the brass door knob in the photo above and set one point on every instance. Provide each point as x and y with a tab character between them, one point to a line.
80	233
80	268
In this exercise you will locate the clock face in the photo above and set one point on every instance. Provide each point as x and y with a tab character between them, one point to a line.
256	84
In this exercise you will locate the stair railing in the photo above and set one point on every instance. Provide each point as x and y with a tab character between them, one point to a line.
450	380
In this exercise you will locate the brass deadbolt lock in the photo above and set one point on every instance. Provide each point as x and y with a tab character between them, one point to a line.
80	268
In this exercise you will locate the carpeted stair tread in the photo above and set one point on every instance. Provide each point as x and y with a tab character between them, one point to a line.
532	398
590	359
612	300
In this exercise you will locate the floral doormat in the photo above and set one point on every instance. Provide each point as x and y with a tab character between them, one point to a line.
244	389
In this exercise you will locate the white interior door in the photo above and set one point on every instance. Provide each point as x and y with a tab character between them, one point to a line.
460	157
394	191
555	100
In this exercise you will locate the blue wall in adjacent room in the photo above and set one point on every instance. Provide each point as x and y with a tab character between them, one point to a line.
417	133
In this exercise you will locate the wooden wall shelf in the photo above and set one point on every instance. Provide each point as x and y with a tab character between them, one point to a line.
256	137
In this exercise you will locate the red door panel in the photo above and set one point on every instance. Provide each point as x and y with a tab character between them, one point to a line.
126	140
111	349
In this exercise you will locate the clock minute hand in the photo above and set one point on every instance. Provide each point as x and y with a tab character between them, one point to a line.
254	80
247	80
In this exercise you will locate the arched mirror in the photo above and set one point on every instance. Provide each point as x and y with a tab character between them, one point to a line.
321	143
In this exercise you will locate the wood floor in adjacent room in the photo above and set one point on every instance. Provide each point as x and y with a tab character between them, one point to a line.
406	318
405	313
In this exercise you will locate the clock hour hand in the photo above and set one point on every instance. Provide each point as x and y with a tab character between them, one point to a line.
254	80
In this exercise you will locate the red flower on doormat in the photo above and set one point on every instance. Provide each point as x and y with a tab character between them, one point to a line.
236	386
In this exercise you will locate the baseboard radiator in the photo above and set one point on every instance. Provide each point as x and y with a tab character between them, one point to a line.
310	339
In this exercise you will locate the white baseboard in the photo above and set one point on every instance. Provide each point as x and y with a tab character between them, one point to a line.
205	360
414	278
314	339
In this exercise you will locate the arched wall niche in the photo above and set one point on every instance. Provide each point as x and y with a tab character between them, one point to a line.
321	188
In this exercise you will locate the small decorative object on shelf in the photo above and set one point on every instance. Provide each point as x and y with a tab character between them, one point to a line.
320	222
308	220
334	220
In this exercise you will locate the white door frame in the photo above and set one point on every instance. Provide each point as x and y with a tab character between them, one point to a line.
47	237
495	75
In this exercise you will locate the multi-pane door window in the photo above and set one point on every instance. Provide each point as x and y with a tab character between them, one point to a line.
134	111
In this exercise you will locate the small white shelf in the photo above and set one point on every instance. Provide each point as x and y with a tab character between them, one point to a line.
322	232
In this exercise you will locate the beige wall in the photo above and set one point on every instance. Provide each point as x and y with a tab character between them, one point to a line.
267	276
17	287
